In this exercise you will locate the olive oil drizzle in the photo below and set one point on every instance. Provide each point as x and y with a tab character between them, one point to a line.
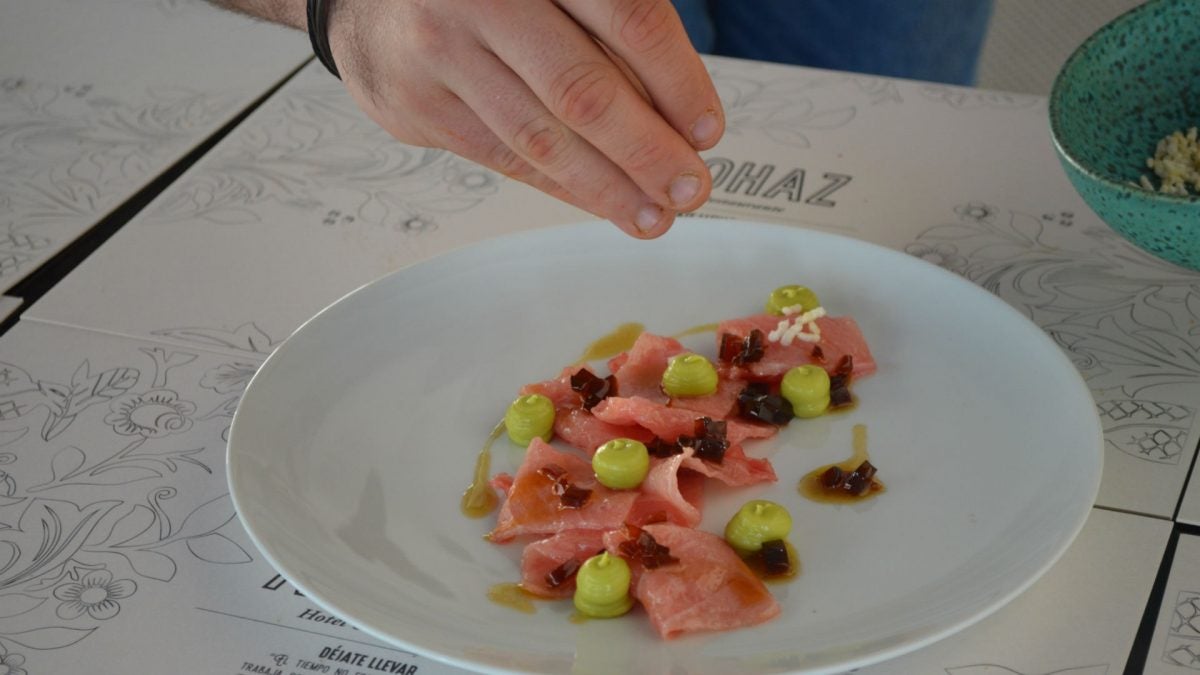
696	330
810	485
480	499
512	596
608	346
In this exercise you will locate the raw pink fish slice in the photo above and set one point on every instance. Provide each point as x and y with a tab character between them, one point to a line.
580	429
840	336
546	555
720	405
670	423
639	371
667	492
502	483
709	589
533	508
736	469
558	390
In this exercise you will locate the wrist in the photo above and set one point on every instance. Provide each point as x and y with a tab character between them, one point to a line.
319	14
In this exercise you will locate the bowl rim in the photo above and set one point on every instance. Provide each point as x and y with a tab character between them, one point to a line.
1055	110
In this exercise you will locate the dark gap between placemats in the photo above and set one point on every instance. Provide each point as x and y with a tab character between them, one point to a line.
1141	643
48	274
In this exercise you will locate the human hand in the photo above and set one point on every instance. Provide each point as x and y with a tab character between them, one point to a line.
600	103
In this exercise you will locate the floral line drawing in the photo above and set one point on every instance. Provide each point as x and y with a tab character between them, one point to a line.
96	594
81	543
879	90
1128	321
68	153
778	107
12	662
8	483
995	669
151	415
18	250
247	337
1183	632
1185	618
1186	654
68	555
46	536
49	637
142	530
313	150
20	394
1155	431
67	402
961	98
229	378
164	362
126	466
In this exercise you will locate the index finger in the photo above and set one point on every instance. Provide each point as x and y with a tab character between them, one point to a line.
581	86
649	37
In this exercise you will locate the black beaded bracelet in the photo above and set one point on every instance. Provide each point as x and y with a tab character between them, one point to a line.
318	33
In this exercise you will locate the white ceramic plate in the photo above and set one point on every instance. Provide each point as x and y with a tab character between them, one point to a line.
353	443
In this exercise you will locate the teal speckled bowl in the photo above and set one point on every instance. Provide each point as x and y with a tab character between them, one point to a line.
1130	84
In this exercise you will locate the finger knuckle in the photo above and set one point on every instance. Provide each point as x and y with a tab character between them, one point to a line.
540	140
645	155
645	25
508	162
607	194
584	92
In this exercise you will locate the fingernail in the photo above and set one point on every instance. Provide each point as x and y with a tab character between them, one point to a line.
705	129
683	189
648	217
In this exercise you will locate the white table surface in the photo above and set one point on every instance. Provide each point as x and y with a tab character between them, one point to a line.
306	201
87	119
